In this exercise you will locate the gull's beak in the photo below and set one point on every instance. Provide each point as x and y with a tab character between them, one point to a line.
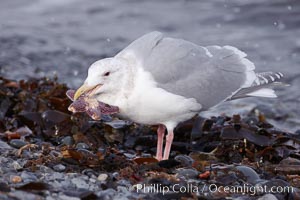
83	89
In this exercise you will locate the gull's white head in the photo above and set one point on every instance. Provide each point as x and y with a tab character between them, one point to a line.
104	77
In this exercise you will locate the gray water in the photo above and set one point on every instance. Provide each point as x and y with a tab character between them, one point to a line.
63	37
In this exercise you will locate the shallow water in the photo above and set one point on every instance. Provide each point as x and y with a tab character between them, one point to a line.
47	37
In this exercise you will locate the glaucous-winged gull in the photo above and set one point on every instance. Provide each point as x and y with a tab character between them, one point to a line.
163	81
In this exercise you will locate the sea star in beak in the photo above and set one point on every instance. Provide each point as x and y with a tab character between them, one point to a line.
91	106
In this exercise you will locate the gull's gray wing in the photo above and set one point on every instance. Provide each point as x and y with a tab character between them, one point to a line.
208	74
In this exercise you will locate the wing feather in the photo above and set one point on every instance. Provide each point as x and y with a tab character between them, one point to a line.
208	74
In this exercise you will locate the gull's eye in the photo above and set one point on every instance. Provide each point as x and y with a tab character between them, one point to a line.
106	74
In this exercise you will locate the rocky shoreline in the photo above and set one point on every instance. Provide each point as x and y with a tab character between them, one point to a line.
46	152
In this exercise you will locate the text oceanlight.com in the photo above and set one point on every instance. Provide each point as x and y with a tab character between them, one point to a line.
211	188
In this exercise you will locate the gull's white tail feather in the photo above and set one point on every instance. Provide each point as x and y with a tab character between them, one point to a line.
262	86
263	92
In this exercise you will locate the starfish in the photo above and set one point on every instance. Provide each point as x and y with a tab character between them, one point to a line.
91	106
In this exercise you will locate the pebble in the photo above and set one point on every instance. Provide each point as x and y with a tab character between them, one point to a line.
56	176
18	194
82	145
185	160
50	198
90	173
92	180
123	193
45	169
59	168
115	175
118	124
268	197
107	194
4	145
68	140
17	143
15	179
80	183
125	183
4	187
249	173
146	155
16	165
187	173
65	197
296	193
28	176
129	155
102	177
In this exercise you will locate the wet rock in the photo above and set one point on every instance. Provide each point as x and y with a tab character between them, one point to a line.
28	177
92	180
207	124
115	175
17	143
295	194
227	178
24	131
185	160
81	194
4	145
129	155
102	177
66	197
297	132
45	169
31	118
268	184
56	176
130	141
59	168
15	179
107	194
268	197
4	187
82	145
123	193
16	165
220	120
54	117
80	183
90	173
187	173
24	195
197	128
250	175
68	140
288	166
118	124
125	183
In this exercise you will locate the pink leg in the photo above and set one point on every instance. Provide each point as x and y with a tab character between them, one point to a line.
169	140
160	138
